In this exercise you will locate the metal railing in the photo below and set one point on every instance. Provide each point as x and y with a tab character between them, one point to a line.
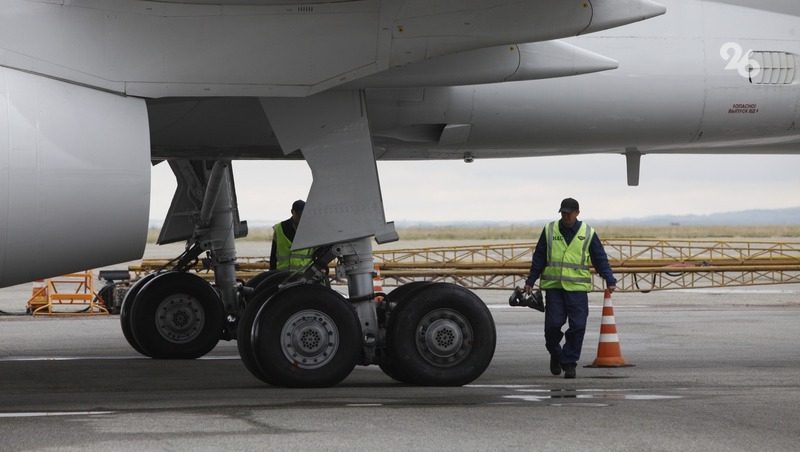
639	264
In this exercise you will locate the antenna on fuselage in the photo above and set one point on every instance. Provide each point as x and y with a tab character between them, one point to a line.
633	159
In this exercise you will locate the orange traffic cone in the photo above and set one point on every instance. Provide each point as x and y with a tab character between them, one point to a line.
608	350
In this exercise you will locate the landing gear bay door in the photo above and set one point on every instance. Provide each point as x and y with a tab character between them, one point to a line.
332	131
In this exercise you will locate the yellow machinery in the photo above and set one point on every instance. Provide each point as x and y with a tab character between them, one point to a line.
71	294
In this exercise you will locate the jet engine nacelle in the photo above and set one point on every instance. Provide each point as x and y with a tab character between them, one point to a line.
74	177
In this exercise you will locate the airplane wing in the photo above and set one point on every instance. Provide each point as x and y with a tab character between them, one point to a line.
273	48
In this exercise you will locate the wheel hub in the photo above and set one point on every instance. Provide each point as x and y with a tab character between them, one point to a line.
444	337
180	318
309	339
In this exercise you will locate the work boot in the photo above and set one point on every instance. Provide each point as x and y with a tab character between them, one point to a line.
569	372
555	364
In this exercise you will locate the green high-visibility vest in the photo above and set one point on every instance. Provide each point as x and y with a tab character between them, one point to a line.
285	258
567	265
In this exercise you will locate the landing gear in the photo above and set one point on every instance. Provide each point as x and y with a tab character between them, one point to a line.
174	316
292	329
306	336
387	359
125	311
255	281
439	335
263	291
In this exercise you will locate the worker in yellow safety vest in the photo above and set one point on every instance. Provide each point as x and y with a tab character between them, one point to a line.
281	256
562	259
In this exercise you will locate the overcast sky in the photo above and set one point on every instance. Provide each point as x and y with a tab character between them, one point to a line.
524	190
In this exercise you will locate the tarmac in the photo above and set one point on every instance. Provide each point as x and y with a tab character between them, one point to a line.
714	370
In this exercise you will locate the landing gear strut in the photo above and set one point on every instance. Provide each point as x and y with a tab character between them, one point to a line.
173	314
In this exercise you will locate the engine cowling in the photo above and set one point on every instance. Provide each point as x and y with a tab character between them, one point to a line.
74	177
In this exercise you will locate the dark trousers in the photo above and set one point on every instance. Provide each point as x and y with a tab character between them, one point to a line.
563	306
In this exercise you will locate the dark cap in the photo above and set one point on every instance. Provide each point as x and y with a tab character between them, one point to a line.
298	206
569	205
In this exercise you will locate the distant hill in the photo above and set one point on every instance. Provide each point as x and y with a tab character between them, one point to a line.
755	217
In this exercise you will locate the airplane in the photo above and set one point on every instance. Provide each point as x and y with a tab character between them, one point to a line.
95	91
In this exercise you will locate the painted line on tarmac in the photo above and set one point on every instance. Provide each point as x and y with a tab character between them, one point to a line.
53	414
503	386
500	307
69	358
726	291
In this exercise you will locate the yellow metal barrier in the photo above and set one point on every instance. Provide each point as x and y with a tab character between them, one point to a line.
75	290
639	264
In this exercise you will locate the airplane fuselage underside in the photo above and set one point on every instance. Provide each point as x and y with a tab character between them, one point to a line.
669	95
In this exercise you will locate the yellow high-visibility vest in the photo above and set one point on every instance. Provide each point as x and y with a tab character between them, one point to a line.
285	258
568	265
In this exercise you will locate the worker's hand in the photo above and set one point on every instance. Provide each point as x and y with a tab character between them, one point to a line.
528	289
611	289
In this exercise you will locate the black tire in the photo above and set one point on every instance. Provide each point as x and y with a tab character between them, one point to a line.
443	335
386	360
403	292
125	311
177	316
259	278
267	287
306	337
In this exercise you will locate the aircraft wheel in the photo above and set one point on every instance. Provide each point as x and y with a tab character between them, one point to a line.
403	292
442	335
306	336
387	362
177	316
125	311
259	278
265	289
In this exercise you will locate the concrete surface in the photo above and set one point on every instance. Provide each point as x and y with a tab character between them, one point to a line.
715	370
